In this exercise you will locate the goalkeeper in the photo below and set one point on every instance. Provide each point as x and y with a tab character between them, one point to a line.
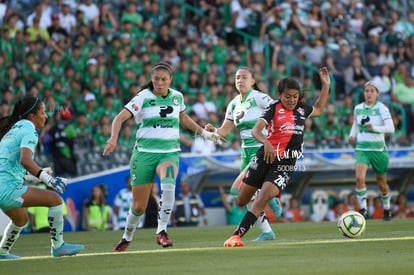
19	138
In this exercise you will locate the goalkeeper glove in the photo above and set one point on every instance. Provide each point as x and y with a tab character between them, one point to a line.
57	183
30	177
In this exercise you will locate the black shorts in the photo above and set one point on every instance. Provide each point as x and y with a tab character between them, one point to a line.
278	172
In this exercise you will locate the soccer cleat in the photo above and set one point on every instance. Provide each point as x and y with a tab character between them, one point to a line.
162	239
265	236
234	241
9	256
67	249
363	212
387	215
121	246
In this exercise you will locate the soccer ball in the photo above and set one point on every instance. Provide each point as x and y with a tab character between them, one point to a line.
351	224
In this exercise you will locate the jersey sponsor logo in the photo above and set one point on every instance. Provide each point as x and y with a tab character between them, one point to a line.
165	110
364	120
287	153
135	107
281	111
239	116
291	128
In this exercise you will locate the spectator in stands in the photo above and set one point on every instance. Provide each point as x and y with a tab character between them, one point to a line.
43	18
90	10
97	214
102	134
331	134
83	130
335	212
313	52
310	135
189	208
355	76
234	213
403	94
67	19
385	56
351	202
372	120
384	82
106	18
376	211
401	209
201	145
294	213
37	32
202	107
338	62
63	134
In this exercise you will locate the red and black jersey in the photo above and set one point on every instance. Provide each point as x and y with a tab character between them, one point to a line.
285	128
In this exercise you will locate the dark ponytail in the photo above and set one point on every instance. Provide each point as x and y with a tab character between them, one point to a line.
22	109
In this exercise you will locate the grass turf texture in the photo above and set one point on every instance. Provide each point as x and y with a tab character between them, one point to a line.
299	248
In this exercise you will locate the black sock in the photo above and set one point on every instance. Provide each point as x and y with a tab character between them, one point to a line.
248	221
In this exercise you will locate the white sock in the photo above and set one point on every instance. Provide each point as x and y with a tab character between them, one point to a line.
386	201
166	205
10	235
362	198
131	223
55	218
263	223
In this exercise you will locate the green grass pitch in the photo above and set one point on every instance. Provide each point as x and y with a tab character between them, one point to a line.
299	248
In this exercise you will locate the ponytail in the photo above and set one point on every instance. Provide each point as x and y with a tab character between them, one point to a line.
22	109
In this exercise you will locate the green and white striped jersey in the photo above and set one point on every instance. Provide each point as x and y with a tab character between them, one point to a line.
158	120
245	113
378	116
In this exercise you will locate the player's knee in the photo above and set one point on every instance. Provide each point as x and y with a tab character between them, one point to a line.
138	207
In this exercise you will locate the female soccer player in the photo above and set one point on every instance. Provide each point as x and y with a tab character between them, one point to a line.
17	146
275	161
372	120
243	112
159	110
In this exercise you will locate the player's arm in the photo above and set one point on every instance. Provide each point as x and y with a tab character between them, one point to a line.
119	119
320	103
257	133
223	130
187	123
27	162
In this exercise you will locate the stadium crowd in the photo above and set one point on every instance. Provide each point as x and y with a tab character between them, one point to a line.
87	58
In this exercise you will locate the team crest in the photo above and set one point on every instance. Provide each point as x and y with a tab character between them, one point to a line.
175	100
248	104
301	111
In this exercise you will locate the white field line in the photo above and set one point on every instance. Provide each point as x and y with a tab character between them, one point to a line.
171	250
